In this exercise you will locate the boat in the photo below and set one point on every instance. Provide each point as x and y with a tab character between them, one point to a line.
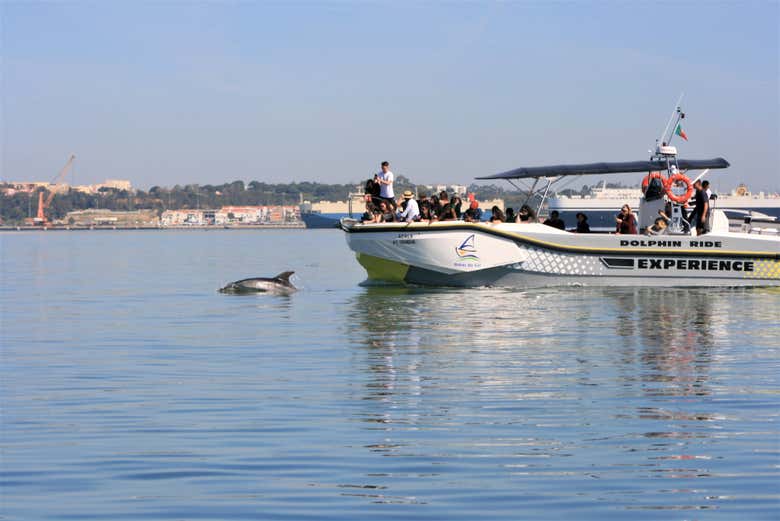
313	219
527	255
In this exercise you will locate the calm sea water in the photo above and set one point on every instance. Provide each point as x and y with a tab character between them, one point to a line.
131	389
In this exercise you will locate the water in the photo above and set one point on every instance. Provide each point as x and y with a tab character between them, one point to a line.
131	389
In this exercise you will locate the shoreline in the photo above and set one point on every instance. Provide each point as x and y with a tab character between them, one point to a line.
24	228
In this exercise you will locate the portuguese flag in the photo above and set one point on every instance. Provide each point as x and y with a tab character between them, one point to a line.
680	132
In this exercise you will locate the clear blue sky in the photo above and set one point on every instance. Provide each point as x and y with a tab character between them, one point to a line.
174	92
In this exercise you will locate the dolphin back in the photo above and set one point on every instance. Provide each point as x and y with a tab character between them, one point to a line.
284	277
279	284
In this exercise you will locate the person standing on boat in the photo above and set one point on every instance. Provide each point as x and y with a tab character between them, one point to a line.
705	185
626	222
385	179
701	206
372	189
411	209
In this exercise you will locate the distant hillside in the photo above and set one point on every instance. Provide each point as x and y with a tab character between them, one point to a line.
15	207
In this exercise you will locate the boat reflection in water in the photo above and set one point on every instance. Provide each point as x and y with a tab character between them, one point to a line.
564	395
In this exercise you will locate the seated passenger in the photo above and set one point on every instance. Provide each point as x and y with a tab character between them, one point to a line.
526	214
456	204
411	210
555	221
626	222
582	223
497	216
388	216
658	228
446	211
426	214
371	213
510	215
435	204
474	213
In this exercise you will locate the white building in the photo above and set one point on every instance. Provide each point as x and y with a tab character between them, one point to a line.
183	218
451	189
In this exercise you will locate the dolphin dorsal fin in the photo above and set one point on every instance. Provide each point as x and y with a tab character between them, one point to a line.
285	276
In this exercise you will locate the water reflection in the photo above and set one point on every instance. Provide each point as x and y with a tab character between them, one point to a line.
600	383
663	337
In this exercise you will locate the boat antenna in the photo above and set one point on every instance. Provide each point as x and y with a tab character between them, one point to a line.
675	112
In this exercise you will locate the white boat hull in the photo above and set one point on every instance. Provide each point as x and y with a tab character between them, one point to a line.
533	255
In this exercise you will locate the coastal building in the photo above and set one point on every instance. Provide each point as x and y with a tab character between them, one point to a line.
231	215
13	187
460	190
96	217
114	184
241	215
183	218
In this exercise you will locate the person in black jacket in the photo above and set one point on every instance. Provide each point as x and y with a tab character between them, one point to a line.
555	221
371	190
582	223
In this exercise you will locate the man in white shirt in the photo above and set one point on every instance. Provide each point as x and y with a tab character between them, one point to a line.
412	210
385	179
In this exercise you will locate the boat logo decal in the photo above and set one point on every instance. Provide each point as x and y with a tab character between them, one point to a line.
467	251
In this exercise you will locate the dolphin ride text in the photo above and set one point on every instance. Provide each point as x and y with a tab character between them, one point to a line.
669	243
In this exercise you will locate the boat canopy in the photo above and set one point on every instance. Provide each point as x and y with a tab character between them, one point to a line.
608	168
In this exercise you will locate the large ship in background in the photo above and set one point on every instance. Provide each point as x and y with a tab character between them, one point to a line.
603	203
603	198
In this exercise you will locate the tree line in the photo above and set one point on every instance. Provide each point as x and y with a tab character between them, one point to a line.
15	208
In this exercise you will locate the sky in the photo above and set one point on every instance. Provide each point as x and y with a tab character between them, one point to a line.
165	93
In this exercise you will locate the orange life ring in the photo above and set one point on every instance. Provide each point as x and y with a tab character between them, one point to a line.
679	178
648	177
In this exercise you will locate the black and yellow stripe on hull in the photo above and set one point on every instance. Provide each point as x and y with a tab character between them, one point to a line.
557	246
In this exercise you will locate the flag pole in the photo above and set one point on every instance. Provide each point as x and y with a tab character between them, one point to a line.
671	134
675	111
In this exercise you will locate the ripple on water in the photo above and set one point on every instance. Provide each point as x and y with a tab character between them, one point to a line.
149	395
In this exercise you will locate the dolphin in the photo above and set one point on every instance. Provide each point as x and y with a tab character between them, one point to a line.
279	285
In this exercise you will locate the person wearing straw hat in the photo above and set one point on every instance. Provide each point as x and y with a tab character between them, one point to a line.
411	208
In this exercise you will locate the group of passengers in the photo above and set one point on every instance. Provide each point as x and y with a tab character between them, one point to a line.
438	207
381	206
698	217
